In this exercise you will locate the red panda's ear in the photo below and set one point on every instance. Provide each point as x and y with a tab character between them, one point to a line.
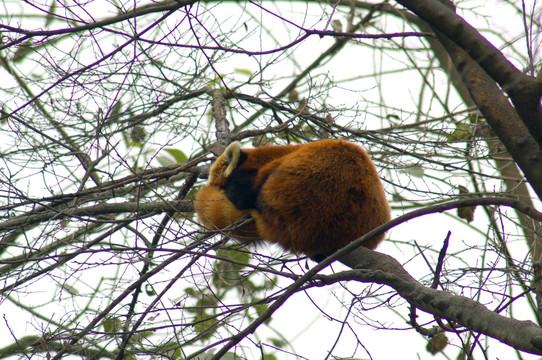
231	157
225	164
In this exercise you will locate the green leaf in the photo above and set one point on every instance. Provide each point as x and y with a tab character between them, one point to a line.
214	82
179	156
462	132
437	343
50	16
207	302
260	308
414	170
112	325
227	271
241	257
243	72
140	336
4	115
72	290
115	110
206	328
23	49
177	353
280	343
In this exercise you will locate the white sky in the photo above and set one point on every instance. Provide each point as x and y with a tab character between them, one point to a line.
312	332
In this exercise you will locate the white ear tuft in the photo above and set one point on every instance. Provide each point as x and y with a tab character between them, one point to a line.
231	157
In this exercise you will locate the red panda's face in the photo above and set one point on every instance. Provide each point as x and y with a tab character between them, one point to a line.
216	174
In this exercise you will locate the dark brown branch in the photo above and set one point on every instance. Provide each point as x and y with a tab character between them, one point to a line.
223	136
379	268
137	207
524	90
500	115
502	119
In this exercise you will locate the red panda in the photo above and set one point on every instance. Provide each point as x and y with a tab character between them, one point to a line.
310	199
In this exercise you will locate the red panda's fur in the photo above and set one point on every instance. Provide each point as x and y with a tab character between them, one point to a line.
310	199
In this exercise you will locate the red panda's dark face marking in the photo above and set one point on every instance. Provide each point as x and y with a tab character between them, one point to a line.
240	188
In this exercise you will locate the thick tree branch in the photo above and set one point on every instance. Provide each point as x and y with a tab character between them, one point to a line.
223	136
524	90
379	268
505	163
500	115
384	269
140	208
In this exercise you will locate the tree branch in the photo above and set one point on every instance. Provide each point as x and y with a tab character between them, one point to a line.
375	267
141	208
524	90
